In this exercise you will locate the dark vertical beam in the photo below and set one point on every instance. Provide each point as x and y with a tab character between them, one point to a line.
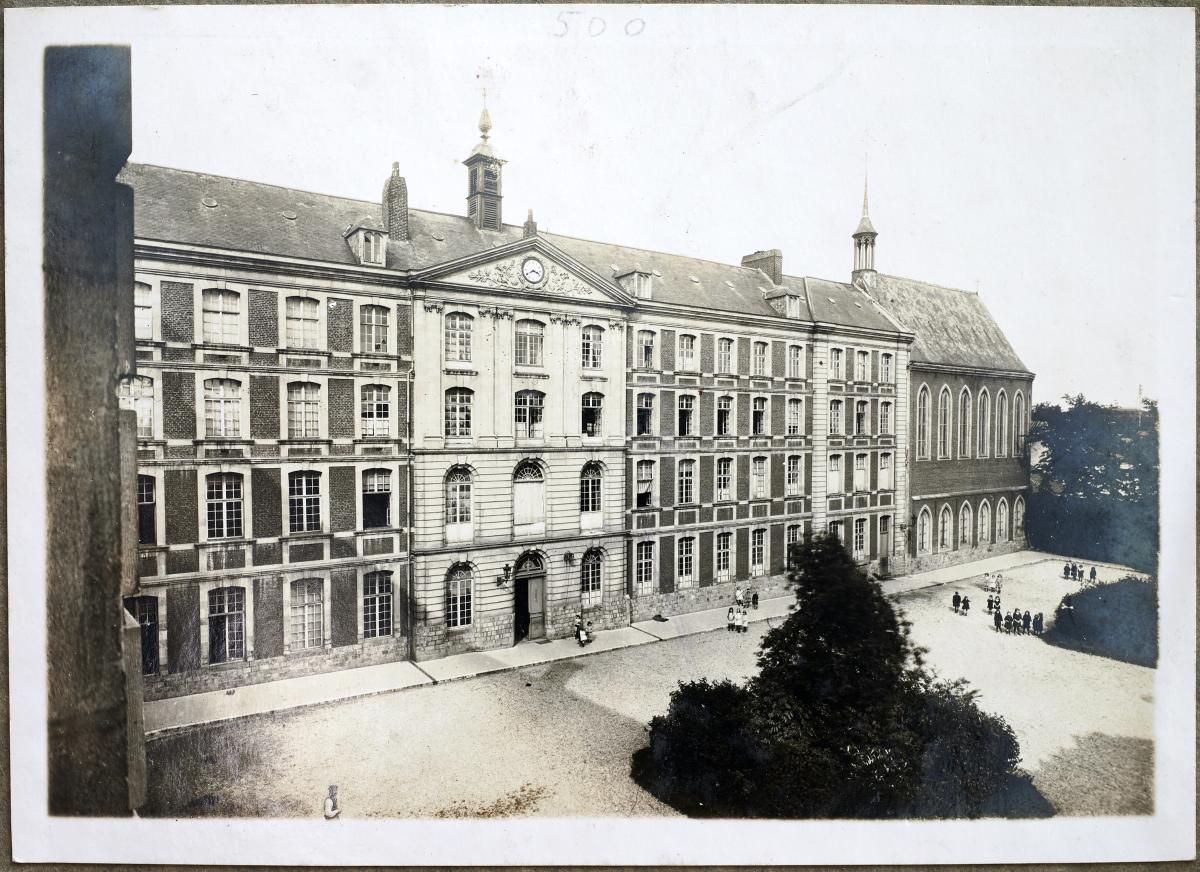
87	271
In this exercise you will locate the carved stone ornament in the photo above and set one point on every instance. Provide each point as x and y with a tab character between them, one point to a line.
495	312
507	274
616	325
566	320
433	306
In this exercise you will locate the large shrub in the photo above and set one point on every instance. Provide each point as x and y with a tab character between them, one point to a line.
841	720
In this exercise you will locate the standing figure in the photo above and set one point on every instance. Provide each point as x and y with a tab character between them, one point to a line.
997	619
739	596
990	603
1066	570
1039	624
1016	618
729	618
1092	575
754	599
966	604
956	600
1007	623
1026	620
331	807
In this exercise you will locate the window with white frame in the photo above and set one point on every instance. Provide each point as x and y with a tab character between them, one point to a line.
835	363
590	575
1002	425
141	391
593	341
885	368
759	359
795	417
862	418
222	408
304	403
985	524
530	337
226	624
591	482
646	349
835	417
964	526
758	552
862	366
1018	425
376	410
373	329
834	480
458	596
372	248
645	414
1002	521
687	352
724	416
725	355
724	541
592	409
377	604
795	361
147	515
794	531
687	406
645	483
224	505
945	534
529	494
985	424
460	328
528	414
924	531
458	411
376	498
923	424
143	311
458	497
885	471
308	614
860	536
724	479
219	315
758	479
885	418
835	530
860	472
302	323
686	475
685	561
944	428
964	423
304	502
1018	516
644	565
795	475
758	416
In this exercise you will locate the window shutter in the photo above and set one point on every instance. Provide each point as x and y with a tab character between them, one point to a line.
778	557
742	558
666	564
705	557
667	413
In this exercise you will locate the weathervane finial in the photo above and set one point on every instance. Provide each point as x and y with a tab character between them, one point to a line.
485	120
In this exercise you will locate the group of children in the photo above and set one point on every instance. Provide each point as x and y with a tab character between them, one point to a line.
1015	621
583	635
1074	572
737	620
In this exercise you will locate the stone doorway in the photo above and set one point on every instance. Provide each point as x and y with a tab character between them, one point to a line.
529	593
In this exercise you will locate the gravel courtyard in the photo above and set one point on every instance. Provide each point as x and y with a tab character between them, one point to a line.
556	739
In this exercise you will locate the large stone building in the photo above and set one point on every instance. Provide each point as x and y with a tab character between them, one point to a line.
370	432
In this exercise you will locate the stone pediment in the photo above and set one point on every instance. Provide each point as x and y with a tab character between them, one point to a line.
508	274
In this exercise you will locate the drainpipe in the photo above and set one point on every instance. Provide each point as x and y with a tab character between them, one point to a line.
412	575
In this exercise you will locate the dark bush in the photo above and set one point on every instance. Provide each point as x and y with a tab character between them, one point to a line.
1117	620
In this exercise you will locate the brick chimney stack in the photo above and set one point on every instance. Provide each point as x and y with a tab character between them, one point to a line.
770	262
530	228
395	205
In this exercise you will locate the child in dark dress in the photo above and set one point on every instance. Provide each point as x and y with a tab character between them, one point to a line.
1007	623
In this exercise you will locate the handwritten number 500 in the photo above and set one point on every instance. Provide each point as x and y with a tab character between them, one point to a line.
597	26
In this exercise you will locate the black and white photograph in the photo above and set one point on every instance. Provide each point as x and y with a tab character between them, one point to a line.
576	435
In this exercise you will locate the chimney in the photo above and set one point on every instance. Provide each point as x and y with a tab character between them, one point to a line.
395	205
530	226
770	262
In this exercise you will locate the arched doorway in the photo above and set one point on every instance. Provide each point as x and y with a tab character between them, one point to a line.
529	586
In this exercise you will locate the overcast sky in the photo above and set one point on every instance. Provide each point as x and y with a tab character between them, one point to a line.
1043	156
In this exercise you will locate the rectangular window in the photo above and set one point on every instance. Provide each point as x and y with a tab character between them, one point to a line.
723	541
835	417
302	323
593	407
143	311
304	502
147	523
458	412
861	414
758	416
592	343
220	317
644	567
529	343
795	417
685	560
376	411
724	478
377	498
758	552
308	614
725	355
687	352
589	489
303	411
646	349
724	416
687	480
860	536
222	408
834	474
687	405
758	478
377	605
759	361
224	498
793	534
795	474
885	472
885	368
645	483
796	361
226	624
645	414
835	528
862	366
459	328
860	472
835	363
528	415
373	329
885	418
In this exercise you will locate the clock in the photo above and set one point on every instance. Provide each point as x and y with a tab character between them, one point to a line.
532	270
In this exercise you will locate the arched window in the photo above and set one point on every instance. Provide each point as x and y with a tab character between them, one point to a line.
147	519
645	484
591	482
644	566
373	329
725	355
944	428
1002	521
834	482
964	423
924	522
835	417
459	328
985	423
304	502
593	343
758	479
922	424
724	479
219	316
143	311
964	526
1018	425
793	478
795	417
687	352
758	416
886	479
645	415
860	472
376	498
685	561
885	368
862	416
1019	516
528	414
795	361
590	574
685	490
945	529
458	504
308	613
226	624
646	349
302	323
458	596
222	408
591	413
985	524
458	411
1002	425
376	410
687	410
530	335
140	394
224	505
377	604
885	418
304	416
759	361
724	416
529	495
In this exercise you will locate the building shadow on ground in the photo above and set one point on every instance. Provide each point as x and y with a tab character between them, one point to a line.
1100	775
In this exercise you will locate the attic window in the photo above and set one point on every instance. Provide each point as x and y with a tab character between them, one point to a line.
372	248
637	283
209	202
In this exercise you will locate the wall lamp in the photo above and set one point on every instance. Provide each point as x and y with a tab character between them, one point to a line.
504	576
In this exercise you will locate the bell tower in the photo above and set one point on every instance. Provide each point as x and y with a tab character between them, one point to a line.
864	246
483	180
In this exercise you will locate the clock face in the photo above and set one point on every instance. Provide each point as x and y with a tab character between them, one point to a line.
532	270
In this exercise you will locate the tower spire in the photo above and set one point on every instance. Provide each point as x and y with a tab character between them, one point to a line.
485	120
864	243
483	178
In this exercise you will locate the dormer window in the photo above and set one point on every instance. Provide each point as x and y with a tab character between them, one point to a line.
368	241
372	248
636	282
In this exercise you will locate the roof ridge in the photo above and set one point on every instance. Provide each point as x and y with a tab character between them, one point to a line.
930	284
658	251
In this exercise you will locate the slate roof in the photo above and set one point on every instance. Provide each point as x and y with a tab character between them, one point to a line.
952	327
841	303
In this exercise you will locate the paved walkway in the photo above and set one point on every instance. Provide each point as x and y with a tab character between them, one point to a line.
184	712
